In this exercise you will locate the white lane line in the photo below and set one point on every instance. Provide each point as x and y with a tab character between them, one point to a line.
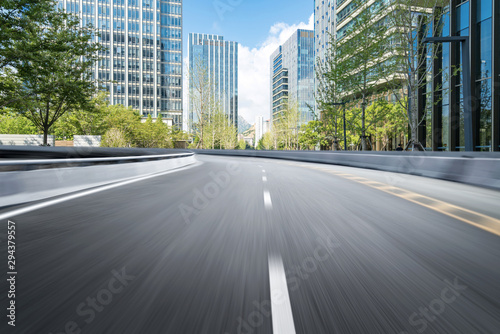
29	208
281	308
260	166
263	171
264	178
267	200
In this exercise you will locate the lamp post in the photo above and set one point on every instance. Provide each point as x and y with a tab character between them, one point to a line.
345	133
464	41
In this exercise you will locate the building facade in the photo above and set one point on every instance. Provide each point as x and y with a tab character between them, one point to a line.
219	59
259	129
324	26
442	101
292	75
142	64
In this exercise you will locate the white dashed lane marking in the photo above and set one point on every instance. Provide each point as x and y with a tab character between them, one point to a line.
267	200
281	307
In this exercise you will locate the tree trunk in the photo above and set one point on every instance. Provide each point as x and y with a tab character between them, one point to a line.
45	136
363	130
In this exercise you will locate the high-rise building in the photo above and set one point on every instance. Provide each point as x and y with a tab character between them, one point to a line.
324	26
218	60
442	101
259	129
142	63
292	75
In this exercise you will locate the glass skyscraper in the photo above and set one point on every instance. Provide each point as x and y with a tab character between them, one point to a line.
142	64
443	97
292	75
219	58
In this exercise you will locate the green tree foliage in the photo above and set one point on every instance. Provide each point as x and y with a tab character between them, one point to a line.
18	19
154	134
394	123
412	20
286	128
242	144
91	121
58	77
363	50
266	142
114	138
331	78
212	129
11	123
311	135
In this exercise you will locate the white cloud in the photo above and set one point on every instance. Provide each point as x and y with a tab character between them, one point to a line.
254	70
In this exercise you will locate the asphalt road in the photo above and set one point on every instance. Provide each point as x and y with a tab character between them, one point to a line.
247	245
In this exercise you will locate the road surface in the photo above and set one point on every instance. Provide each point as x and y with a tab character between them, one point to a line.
248	245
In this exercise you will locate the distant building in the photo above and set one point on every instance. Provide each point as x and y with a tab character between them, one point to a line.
266	127
219	58
249	140
259	129
142	63
292	75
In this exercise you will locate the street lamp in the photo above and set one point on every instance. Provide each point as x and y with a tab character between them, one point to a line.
345	134
464	40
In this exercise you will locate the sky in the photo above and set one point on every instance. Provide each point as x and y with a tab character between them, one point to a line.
259	27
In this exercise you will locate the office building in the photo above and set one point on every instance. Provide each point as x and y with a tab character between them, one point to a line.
441	101
259	129
292	76
324	26
142	63
218	59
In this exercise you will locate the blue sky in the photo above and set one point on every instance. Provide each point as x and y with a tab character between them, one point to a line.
244	21
260	27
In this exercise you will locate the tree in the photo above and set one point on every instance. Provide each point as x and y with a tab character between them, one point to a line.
363	50
266	142
331	78
413	20
202	101
212	128
59	76
18	18
114	138
11	123
393	124
89	122
286	127
154	134
311	135
242	144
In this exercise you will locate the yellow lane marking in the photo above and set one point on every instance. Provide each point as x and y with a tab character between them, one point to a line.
477	219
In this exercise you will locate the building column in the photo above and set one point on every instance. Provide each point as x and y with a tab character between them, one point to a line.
475	98
496	78
437	86
454	112
421	81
